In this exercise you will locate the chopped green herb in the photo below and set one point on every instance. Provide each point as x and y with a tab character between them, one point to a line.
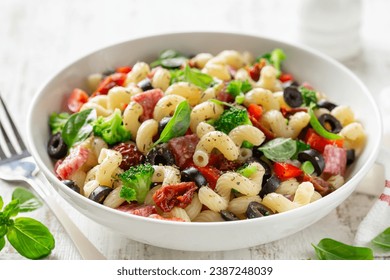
307	167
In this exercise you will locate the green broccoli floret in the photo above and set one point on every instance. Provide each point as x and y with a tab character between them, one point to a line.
237	89
277	56
274	58
111	128
57	121
136	182
232	118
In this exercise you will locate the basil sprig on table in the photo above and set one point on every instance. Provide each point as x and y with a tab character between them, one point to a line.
178	124
28	236
329	249
383	239
78	127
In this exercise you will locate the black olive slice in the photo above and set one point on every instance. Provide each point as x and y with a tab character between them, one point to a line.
292	96
100	193
327	120
270	186
56	148
161	124
161	154
192	174
350	156
228	216
326	104
72	185
145	84
257	210
316	159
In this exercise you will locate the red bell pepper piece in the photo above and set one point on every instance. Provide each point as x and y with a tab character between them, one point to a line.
255	111
285	171
77	98
318	142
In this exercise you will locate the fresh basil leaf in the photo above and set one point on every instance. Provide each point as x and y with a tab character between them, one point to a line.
383	239
194	76
11	209
27	200
178	124
329	249
78	127
279	149
57	122
170	59
31	238
169	54
2	243
1	203
301	146
175	62
3	230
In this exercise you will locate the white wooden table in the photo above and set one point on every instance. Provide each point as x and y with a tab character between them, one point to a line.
38	38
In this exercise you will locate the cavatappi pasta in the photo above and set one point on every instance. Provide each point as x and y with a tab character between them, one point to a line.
208	138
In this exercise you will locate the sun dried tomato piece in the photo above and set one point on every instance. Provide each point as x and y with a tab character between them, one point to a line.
179	195
131	156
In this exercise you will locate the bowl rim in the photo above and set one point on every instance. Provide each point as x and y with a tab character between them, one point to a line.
281	216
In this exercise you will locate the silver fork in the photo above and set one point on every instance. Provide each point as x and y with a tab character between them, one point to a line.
16	164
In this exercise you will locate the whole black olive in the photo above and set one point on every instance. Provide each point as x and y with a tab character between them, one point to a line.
192	174
257	210
326	104
292	96
56	148
161	124
161	154
100	193
350	156
228	216
145	84
316	159
327	120
72	185
270	185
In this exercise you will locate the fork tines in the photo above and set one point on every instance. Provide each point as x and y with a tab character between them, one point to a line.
11	143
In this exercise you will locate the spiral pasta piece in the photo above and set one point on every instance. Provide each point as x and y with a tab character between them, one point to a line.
219	199
211	140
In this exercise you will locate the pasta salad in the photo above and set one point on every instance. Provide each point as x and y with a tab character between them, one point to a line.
203	138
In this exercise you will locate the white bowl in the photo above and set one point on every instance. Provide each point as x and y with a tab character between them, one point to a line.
340	85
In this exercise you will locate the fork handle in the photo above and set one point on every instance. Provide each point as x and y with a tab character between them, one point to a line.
86	249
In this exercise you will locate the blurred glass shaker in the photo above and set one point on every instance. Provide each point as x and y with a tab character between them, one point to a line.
331	26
